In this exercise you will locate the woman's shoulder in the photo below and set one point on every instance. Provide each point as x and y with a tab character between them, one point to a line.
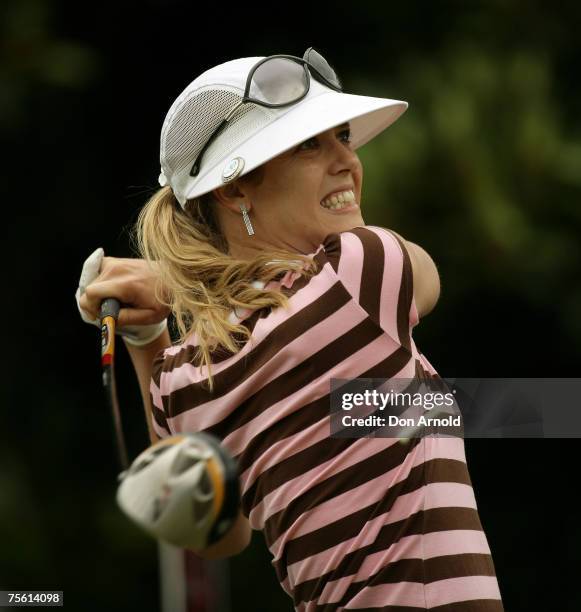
361	249
364	234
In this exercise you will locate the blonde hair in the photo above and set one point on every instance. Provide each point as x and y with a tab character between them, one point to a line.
202	283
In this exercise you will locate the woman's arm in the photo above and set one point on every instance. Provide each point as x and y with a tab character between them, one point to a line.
142	359
238	536
132	282
426	277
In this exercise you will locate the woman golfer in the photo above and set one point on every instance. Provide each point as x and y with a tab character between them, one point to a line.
257	244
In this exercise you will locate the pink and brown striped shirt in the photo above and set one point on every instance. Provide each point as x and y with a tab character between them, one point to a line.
353	524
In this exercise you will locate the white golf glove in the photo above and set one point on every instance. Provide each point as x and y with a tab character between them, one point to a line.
137	335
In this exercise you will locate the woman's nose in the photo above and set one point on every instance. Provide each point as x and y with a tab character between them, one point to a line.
343	157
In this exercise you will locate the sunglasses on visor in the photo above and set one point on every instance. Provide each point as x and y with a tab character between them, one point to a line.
277	81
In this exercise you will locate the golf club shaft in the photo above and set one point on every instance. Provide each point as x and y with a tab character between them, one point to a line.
108	315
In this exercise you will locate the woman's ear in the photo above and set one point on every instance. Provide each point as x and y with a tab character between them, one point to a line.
231	196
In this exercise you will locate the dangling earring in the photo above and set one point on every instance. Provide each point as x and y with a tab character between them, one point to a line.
247	221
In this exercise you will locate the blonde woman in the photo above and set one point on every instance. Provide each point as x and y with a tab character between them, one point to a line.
256	243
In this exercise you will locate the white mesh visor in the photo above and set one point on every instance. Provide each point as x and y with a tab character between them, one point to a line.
254	133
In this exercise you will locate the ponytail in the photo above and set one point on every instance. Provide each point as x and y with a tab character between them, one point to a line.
201	282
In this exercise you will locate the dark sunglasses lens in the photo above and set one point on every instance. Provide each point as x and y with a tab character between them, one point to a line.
278	81
322	66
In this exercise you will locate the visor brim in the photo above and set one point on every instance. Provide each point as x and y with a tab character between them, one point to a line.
368	117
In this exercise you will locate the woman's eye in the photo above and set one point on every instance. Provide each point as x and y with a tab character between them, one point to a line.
304	145
344	135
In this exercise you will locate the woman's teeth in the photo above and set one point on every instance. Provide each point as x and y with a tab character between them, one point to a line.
339	200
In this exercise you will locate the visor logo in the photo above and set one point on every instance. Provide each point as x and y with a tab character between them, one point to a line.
233	169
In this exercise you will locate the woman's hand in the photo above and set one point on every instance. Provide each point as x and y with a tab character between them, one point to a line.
133	282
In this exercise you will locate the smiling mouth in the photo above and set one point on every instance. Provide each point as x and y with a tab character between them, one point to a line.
339	201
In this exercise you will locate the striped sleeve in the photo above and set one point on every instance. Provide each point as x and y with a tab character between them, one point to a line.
159	420
375	267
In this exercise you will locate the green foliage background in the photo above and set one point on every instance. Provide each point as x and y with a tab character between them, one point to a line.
483	171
